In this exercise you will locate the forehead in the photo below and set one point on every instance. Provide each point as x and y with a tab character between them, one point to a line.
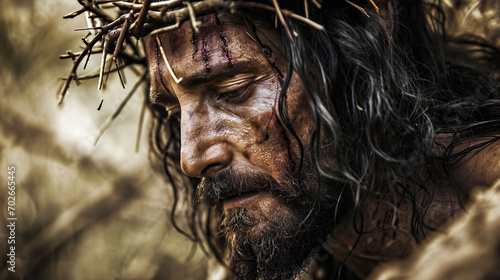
224	41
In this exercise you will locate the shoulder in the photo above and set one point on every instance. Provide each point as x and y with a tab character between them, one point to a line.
469	249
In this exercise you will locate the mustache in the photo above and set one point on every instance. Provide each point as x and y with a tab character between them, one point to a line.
225	184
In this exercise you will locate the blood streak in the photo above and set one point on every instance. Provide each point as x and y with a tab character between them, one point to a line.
193	41
223	39
205	53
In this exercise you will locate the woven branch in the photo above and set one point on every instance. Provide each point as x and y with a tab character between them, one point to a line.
140	20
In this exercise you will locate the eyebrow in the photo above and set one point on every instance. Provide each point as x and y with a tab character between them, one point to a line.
217	72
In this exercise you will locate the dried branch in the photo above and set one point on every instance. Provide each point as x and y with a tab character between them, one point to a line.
282	19
286	13
306	8
142	15
153	7
75	13
357	7
139	128
143	19
316	3
103	63
192	16
170	70
73	72
374	6
113	116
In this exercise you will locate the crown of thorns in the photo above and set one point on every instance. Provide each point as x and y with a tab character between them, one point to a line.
136	19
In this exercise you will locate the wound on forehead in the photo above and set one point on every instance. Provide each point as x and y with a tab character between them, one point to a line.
210	40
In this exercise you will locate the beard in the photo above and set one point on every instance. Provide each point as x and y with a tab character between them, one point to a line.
277	244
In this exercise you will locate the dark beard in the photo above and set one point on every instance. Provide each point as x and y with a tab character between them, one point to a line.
279	247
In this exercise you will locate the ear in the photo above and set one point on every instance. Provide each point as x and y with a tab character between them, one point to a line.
386	13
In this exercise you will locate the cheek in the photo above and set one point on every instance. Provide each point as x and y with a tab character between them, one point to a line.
264	140
269	148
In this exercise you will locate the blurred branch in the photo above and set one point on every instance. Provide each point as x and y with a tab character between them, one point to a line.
22	130
98	206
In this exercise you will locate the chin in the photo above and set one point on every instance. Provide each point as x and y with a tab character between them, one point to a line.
269	240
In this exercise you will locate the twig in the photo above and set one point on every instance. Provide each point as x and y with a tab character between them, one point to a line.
177	25
88	28
139	129
357	7
282	19
122	79
113	116
166	61
146	22
192	16
316	3
374	6
72	74
75	13
103	63
142	15
284	12
154	6
306	8
123	34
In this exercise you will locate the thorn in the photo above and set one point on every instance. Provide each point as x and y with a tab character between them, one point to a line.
374	6
118	70
103	64
357	7
306	8
100	105
88	28
166	61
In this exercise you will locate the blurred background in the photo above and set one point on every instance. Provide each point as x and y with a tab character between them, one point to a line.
88	211
83	211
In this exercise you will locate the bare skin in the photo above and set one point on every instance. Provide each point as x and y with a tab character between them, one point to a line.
228	102
228	95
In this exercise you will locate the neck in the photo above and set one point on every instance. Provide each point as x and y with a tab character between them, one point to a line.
388	229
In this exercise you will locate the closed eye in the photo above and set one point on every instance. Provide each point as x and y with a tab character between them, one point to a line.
237	90
234	96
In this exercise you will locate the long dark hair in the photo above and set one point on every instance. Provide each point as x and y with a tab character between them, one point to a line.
386	91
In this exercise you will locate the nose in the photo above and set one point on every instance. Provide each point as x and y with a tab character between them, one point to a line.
204	150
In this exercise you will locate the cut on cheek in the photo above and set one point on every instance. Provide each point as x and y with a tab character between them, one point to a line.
270	148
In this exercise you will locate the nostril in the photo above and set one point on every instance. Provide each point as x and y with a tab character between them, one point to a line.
210	166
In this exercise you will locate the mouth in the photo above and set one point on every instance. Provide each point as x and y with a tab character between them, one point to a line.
240	200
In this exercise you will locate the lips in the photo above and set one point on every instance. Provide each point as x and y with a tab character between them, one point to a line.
240	200
234	190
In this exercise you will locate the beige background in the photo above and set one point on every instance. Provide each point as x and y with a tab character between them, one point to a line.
85	211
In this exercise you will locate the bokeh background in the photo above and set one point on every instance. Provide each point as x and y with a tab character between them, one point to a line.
84	211
90	211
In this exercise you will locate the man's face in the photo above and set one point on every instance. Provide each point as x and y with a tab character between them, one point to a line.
224	83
